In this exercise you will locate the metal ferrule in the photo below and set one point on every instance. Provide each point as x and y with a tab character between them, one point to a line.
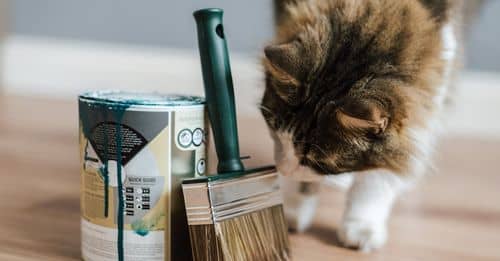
215	201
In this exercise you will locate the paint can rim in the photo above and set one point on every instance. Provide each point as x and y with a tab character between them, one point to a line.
139	99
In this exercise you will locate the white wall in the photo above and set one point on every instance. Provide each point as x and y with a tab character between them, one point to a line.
151	23
167	23
57	68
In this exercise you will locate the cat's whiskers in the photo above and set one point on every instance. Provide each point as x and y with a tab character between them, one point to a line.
328	158
320	149
331	161
292	126
262	107
318	164
278	121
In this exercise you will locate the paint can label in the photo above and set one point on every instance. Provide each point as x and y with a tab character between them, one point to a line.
133	158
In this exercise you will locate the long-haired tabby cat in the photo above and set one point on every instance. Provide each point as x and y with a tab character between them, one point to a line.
357	87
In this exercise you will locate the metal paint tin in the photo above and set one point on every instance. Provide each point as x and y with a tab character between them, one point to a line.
135	149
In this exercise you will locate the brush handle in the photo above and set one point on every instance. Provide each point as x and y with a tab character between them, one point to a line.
218	88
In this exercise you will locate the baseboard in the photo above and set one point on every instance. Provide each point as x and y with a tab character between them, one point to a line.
64	68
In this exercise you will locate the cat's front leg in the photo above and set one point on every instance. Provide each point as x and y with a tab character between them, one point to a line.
369	203
300	202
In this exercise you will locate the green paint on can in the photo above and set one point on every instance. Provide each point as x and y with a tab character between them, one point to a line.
132	160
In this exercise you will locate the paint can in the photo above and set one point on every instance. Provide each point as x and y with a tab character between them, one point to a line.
135	149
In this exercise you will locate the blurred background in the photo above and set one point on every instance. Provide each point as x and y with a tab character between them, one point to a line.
167	24
58	48
51	50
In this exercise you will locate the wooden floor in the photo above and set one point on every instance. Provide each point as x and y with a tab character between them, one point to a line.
453	215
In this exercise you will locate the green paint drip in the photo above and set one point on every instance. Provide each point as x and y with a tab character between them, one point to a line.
142	232
103	171
86	128
120	185
119	110
140	228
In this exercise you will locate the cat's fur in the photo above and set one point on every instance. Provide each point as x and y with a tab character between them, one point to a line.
357	87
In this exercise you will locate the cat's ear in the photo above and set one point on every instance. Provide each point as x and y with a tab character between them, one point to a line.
363	115
283	62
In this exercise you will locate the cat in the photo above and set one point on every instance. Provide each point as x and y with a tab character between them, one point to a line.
356	91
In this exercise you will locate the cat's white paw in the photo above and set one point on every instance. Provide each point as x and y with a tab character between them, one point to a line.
362	234
300	211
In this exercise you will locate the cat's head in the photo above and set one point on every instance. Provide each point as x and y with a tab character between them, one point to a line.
344	82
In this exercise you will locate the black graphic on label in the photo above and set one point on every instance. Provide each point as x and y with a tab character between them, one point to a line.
103	139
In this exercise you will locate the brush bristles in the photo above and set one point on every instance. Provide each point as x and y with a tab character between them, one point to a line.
204	242
259	236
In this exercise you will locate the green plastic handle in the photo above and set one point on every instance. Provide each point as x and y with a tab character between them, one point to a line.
218	88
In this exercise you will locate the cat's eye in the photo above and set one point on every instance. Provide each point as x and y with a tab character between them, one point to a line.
293	95
299	95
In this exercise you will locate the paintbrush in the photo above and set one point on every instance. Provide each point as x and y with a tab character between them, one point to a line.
237	214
